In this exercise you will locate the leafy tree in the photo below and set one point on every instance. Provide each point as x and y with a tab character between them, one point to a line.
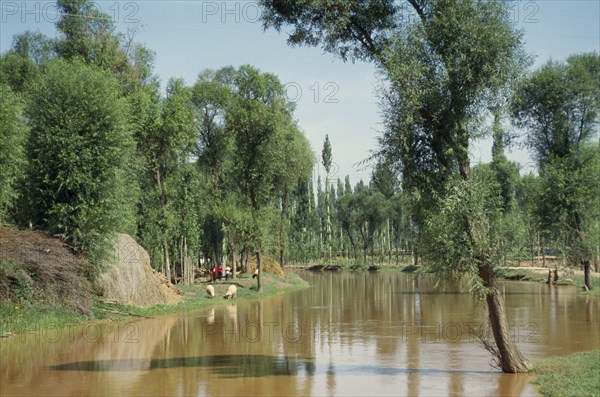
17	71
165	138
258	118
212	94
37	47
189	211
443	69
13	135
88	34
79	151
297	166
558	105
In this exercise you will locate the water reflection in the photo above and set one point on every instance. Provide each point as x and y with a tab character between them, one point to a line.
349	334
232	366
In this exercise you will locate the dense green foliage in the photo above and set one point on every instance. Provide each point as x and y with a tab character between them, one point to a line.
13	135
78	153
559	105
91	147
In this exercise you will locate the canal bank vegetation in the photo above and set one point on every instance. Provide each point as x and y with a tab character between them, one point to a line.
44	285
195	296
16	318
572	375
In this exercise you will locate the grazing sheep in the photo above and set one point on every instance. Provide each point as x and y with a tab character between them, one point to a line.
210	291
231	292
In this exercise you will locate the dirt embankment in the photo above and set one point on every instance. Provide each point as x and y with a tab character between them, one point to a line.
39	269
35	268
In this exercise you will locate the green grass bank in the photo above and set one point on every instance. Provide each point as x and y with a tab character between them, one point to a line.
573	375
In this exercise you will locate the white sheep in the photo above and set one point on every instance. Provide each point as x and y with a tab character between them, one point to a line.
210	291
231	292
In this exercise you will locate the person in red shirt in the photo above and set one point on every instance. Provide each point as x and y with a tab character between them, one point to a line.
219	272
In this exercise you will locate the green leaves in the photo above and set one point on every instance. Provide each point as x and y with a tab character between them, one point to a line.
558	105
13	135
79	151
464	229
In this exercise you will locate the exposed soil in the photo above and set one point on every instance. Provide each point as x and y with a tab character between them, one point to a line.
39	268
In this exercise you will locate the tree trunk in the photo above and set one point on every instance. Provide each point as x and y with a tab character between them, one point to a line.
166	261
510	358
543	255
282	219
587	275
259	276
184	275
234	266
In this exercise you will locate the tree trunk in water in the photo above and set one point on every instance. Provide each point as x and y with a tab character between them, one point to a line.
259	276
511	359
587	275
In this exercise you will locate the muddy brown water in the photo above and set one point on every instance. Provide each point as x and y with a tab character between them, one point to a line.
348	334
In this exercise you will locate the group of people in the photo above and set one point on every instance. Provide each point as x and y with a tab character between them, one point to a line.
216	273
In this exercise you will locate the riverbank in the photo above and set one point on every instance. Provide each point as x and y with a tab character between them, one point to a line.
21	318
573	278
573	375
566	277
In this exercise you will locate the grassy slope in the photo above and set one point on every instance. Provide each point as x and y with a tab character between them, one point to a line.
573	375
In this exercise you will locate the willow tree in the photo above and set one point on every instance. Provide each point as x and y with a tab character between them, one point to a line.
445	62
559	106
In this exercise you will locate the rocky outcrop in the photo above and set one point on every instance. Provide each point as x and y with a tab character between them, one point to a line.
130	280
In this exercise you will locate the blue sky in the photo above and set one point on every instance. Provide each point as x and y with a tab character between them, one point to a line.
332	97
